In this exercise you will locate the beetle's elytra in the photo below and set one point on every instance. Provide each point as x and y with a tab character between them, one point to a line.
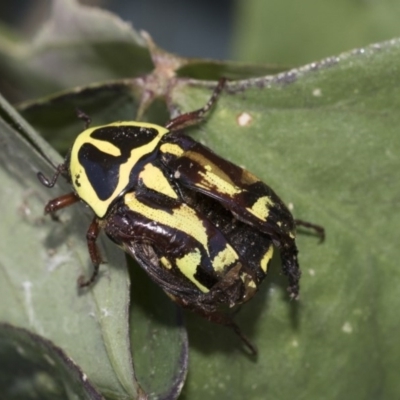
203	228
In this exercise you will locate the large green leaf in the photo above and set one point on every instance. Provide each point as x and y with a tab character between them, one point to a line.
326	138
40	261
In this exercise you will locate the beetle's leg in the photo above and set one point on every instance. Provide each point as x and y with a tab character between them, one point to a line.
220	319
245	340
195	117
290	267
91	237
319	230
51	182
226	320
60	202
290	263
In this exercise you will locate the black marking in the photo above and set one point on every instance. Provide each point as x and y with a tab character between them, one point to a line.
102	169
125	137
77	183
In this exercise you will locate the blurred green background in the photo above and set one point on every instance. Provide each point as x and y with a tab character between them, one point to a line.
270	31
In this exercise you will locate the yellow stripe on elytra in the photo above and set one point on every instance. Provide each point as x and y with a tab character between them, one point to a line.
261	208
188	266
182	218
224	258
154	179
85	190
266	259
212	180
214	177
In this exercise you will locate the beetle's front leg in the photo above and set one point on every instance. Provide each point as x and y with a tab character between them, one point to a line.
91	237
59	203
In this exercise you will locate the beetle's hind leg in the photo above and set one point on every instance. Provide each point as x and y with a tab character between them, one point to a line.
226	320
291	268
219	318
318	229
91	237
290	263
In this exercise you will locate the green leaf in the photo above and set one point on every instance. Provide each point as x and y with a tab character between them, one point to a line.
32	367
78	45
213	69
161	345
326	138
40	261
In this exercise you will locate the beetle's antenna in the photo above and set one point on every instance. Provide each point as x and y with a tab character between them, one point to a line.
60	169
195	117
84	117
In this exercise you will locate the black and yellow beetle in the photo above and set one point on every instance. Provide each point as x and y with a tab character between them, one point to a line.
203	228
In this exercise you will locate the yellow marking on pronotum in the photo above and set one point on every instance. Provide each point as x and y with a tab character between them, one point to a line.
165	263
85	190
261	207
266	259
154	179
224	258
188	266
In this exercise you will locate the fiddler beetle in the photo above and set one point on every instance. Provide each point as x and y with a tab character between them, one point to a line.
203	228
